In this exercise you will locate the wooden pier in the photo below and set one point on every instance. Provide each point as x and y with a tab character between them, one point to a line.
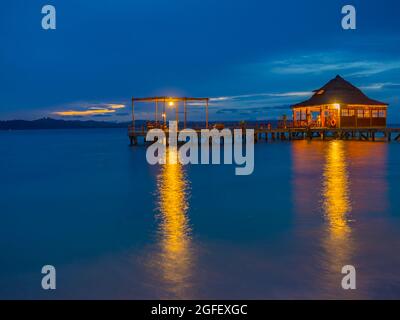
288	134
356	117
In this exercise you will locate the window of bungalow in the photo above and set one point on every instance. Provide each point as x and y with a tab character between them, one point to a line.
366	113
375	113
300	115
347	112
360	113
382	113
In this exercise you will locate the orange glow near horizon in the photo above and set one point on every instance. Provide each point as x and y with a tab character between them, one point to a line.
90	112
117	106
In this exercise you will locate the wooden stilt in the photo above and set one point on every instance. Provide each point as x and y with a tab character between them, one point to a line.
207	114
365	134
185	114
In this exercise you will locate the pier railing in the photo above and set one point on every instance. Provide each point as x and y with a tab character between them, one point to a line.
290	132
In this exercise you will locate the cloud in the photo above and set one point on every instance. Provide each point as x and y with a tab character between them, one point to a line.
117	106
90	109
251	104
102	115
337	62
256	106
258	95
258	101
90	112
381	86
253	110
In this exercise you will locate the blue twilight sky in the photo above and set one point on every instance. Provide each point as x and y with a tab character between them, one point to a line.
254	58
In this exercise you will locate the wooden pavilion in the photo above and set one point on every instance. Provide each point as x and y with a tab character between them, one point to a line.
161	103
339	104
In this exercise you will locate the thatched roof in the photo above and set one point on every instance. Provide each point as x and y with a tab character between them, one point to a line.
339	91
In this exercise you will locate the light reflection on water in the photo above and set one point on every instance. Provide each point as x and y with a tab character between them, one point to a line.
283	232
175	256
343	182
337	207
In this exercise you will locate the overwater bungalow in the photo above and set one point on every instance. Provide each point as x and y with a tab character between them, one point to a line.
339	104
338	110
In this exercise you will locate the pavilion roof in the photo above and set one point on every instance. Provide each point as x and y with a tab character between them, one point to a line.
340	91
168	99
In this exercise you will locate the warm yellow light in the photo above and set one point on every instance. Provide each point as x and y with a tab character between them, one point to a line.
336	193
336	105
176	255
336	201
90	112
171	103
164	115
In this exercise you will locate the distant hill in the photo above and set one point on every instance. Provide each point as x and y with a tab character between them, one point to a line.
49	123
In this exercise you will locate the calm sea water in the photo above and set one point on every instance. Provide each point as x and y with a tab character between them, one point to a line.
116	227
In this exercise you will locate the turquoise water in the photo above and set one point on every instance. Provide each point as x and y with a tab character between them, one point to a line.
116	227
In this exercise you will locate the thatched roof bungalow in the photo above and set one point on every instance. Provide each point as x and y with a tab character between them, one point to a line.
339	104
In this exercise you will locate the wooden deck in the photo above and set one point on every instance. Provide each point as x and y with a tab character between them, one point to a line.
288	134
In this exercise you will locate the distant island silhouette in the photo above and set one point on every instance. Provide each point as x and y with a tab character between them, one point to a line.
50	123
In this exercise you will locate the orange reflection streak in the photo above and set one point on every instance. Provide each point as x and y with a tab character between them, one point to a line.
336	194
175	259
345	181
322	181
336	204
